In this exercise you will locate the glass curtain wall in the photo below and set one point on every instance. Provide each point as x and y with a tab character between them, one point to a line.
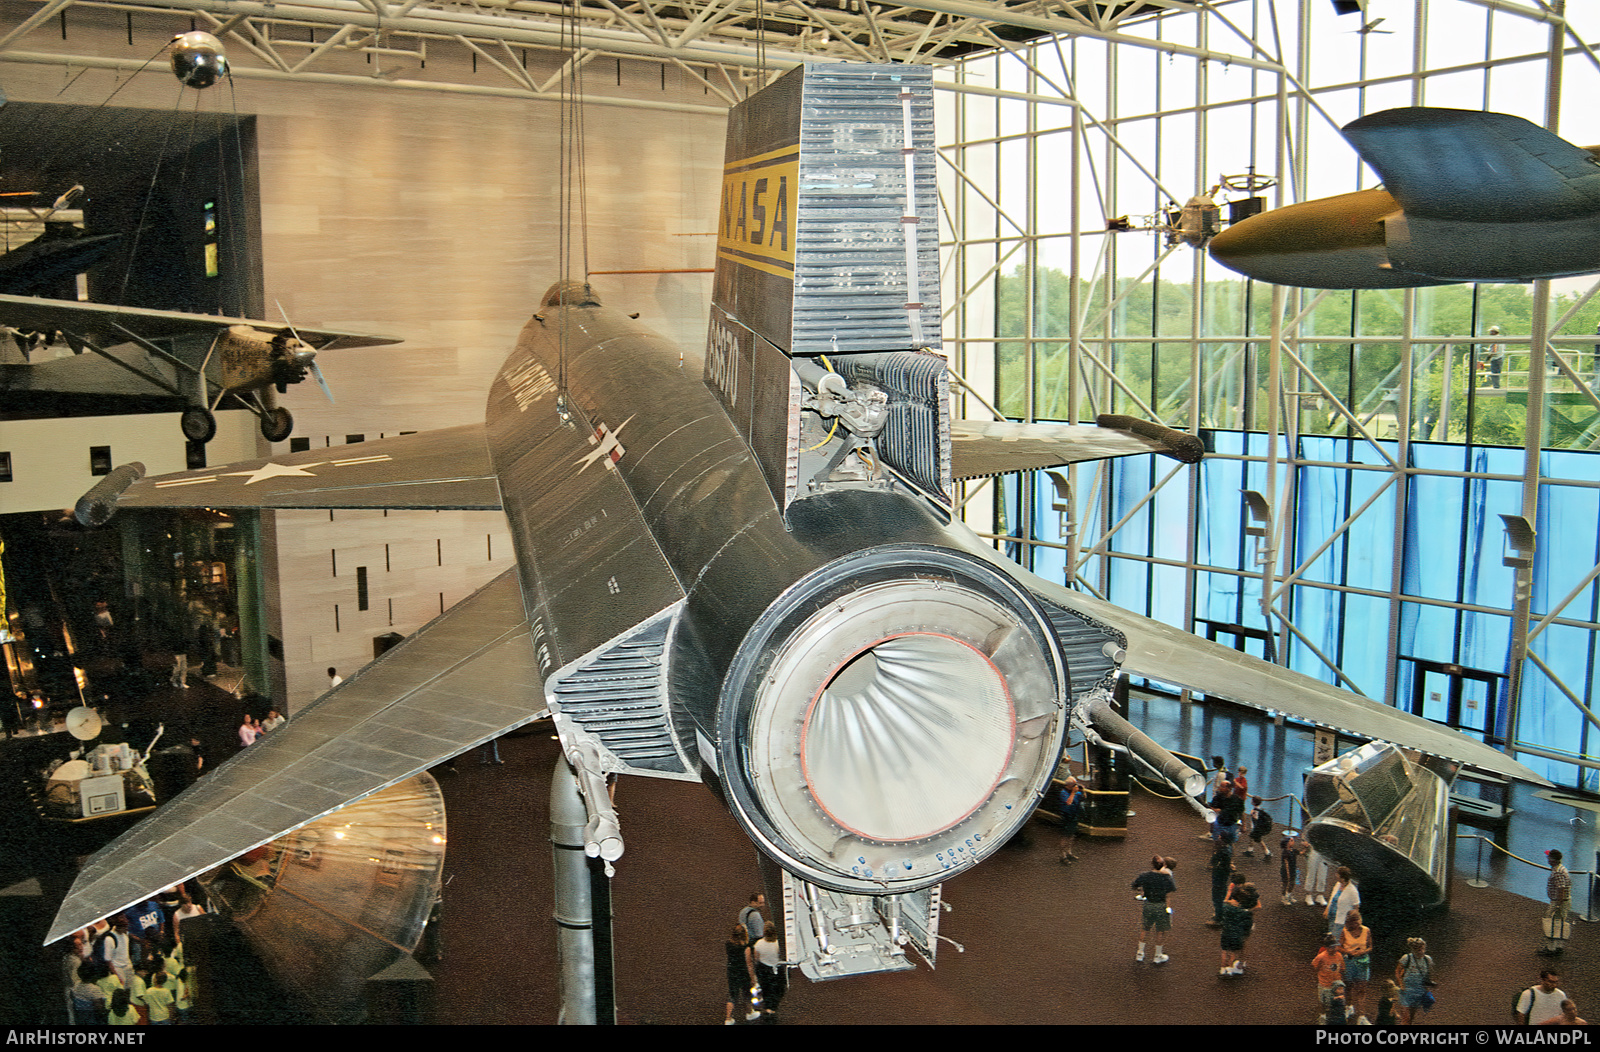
1349	519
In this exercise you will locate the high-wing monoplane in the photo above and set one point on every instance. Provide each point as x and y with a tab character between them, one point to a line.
746	571
1467	196
201	358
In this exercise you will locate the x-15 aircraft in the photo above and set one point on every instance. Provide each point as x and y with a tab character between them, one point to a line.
746	572
201	358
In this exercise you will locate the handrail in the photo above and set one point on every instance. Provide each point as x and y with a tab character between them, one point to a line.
1588	912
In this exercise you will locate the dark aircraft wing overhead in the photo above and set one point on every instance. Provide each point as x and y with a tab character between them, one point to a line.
446	468
466	677
979	448
1476	166
43	262
1172	655
107	325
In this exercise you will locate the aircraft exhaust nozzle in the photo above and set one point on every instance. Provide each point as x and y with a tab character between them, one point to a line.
891	718
602	839
96	507
1105	719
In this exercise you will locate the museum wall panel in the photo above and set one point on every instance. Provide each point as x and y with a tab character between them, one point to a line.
50	466
436	218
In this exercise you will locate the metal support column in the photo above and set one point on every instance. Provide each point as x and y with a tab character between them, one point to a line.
582	909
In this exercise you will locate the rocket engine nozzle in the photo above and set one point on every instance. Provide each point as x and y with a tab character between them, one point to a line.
892	718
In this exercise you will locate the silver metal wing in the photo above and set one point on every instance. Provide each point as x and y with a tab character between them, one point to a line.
106	324
1171	655
466	677
980	448
447	468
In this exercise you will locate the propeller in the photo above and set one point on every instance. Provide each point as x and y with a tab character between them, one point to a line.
311	361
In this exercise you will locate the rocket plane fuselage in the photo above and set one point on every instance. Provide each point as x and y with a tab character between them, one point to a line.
877	703
744	570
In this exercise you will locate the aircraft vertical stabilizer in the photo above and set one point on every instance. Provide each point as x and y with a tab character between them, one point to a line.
828	251
823	170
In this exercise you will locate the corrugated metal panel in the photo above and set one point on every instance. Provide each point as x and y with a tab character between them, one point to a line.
851	282
1083	642
916	439
619	696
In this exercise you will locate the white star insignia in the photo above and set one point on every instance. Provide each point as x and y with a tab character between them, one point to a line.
272	471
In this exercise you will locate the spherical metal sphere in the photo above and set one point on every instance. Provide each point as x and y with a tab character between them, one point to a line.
198	59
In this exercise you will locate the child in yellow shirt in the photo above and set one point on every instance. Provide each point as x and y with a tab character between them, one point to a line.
182	1000
158	999
122	1013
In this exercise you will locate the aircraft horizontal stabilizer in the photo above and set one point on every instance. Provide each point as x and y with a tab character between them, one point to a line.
979	448
1172	655
466	677
109	325
444	469
1476	166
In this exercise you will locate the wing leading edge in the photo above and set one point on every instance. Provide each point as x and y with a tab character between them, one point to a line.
107	325
1172	655
980	448
466	677
1476	166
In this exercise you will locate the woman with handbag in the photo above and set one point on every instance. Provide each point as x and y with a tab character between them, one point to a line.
765	957
1414	973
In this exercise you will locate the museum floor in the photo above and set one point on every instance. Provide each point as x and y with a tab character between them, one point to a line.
1044	943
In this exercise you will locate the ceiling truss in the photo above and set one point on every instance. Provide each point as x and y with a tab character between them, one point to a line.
532	49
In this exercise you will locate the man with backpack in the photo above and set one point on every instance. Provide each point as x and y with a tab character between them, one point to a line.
1538	1003
1260	827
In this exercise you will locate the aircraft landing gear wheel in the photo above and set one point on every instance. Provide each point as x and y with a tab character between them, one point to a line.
198	424
277	425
